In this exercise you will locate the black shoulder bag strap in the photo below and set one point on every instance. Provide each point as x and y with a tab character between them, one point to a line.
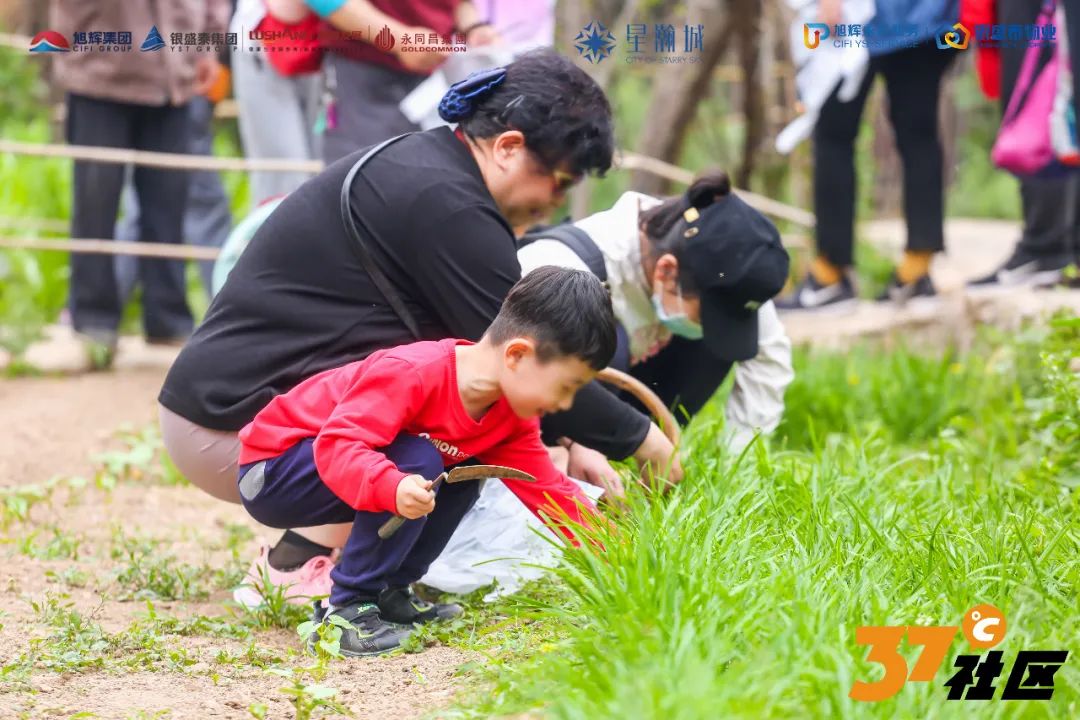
353	226
574	238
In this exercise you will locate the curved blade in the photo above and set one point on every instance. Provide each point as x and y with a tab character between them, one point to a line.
476	472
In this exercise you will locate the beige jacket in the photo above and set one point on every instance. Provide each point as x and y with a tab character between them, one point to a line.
165	76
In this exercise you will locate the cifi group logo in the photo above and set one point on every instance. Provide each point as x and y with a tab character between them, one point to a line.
48	41
1031	677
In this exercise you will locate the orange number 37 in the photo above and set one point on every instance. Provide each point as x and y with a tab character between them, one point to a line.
884	642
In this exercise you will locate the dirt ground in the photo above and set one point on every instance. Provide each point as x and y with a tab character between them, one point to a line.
54	427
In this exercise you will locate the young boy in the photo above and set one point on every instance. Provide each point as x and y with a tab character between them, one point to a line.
361	442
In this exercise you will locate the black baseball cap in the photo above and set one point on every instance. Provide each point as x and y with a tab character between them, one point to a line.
734	256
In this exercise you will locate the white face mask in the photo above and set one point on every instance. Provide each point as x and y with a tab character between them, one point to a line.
679	323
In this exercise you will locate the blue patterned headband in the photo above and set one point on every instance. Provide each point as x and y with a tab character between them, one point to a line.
460	100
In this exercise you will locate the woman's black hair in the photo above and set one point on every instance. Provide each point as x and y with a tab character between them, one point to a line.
563	113
662	222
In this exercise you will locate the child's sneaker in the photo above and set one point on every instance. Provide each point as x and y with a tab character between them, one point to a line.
370	634
310	580
401	605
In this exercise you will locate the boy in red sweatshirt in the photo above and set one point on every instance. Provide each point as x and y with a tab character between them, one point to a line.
361	442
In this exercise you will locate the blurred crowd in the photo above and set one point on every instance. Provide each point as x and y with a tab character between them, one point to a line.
332	86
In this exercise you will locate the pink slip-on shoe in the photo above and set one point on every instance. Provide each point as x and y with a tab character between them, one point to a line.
299	586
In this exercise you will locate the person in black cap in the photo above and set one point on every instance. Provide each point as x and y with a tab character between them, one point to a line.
692	278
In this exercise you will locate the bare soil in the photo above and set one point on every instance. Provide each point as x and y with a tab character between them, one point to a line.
54	427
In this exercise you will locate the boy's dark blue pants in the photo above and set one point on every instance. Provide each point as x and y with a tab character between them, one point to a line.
293	495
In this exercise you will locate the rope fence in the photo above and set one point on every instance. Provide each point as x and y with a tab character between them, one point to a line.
170	251
166	251
175	161
624	161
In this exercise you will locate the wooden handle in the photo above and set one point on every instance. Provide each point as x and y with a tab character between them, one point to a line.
390	527
647	397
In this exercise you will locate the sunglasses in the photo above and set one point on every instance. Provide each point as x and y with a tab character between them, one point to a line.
563	180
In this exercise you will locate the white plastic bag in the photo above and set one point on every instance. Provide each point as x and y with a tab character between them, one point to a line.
821	69
496	542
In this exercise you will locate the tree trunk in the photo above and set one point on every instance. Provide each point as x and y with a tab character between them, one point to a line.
602	73
569	18
676	94
747	15
35	16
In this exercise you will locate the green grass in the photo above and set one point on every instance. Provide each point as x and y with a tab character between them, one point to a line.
900	490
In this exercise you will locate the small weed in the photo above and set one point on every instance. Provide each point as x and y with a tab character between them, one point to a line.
16	502
151	575
201	625
310	701
147	715
143	459
61	546
328	646
252	656
236	541
72	576
275	611
78	643
236	538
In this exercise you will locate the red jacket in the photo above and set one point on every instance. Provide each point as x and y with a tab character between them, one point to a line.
988	61
355	410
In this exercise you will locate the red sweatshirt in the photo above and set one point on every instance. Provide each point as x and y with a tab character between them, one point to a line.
355	410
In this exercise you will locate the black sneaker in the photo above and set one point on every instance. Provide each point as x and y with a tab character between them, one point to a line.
401	605
370	634
901	293
812	295
1026	268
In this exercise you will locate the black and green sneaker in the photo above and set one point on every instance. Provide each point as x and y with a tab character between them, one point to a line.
369	634
401	605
